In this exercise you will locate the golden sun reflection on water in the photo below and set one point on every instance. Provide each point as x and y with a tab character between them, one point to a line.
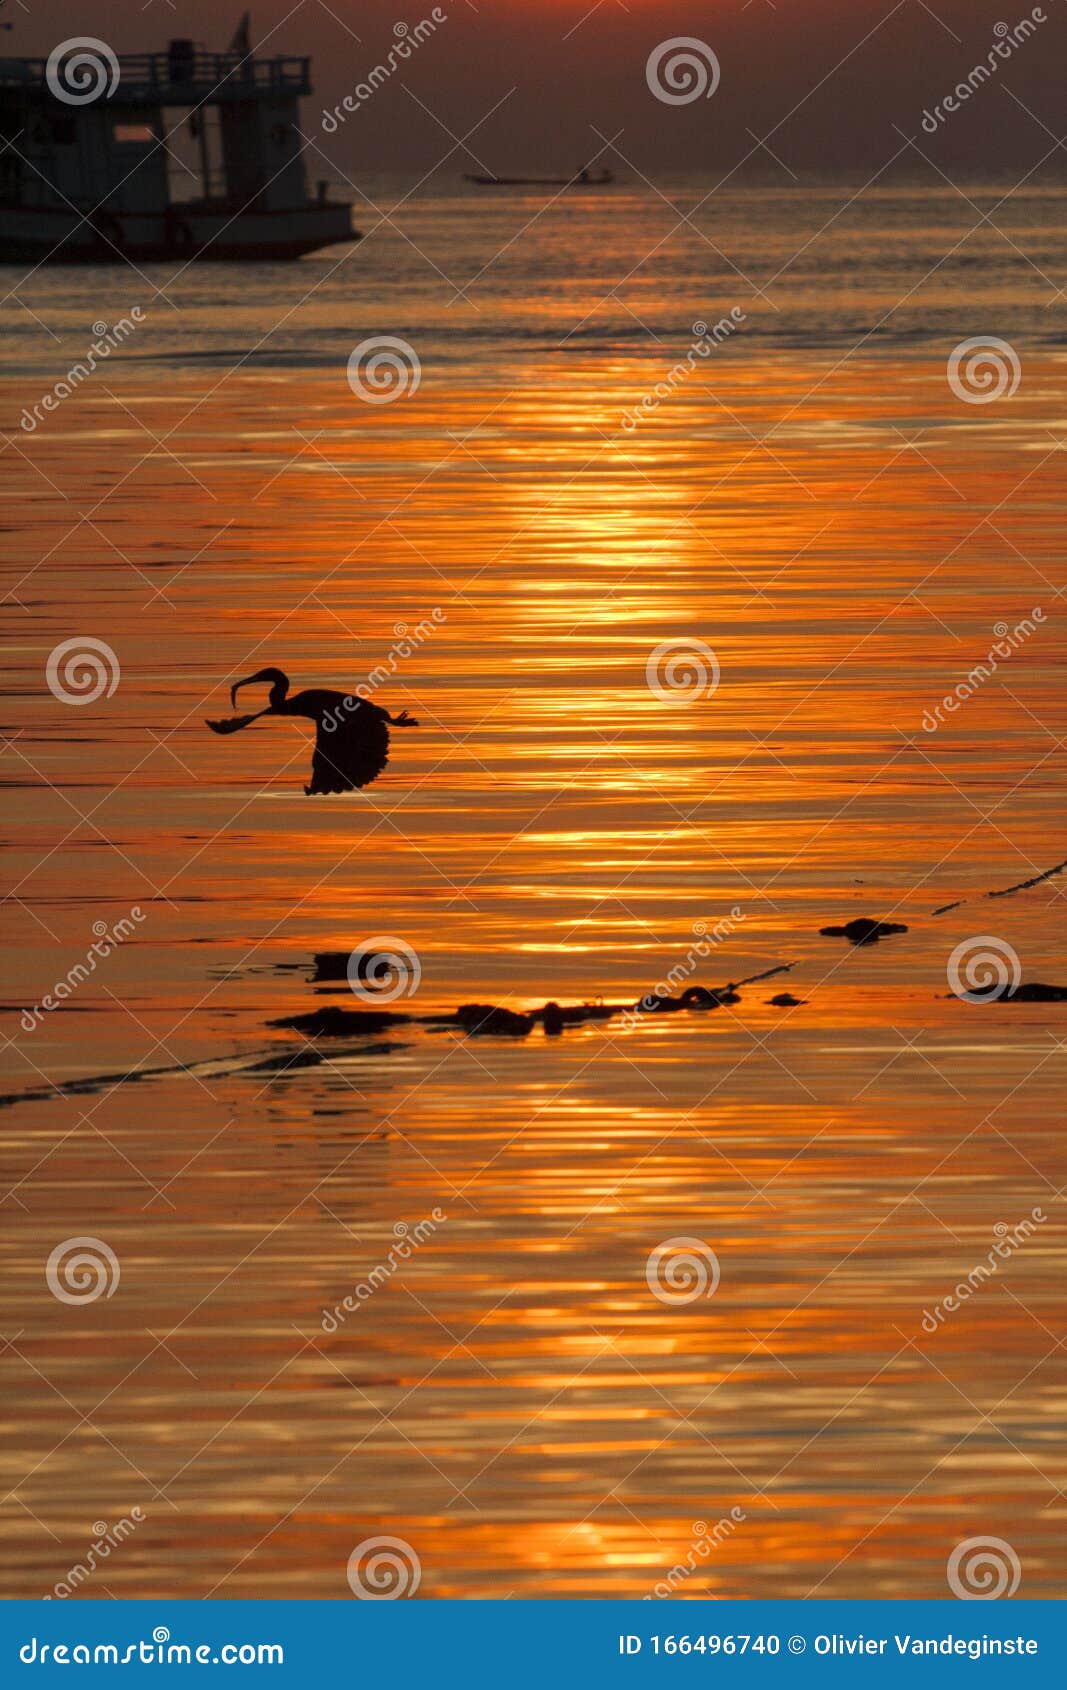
515	1402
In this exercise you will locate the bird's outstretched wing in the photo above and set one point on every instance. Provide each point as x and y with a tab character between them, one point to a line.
231	724
350	755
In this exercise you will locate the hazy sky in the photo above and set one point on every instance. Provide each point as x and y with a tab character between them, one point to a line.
824	81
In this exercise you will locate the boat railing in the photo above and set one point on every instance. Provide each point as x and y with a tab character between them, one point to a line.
181	78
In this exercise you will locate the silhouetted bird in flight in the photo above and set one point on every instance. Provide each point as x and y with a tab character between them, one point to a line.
351	738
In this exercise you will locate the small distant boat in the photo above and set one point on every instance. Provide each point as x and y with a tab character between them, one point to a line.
584	179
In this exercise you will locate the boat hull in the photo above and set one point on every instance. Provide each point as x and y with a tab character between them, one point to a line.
541	181
45	235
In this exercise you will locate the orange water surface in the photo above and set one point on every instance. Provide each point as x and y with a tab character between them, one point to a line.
514	1401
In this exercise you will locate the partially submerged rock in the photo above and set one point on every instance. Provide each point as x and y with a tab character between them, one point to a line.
287	1064
694	997
785	1000
1034	991
331	965
557	1016
1037	992
336	1023
863	931
702	997
553	1019
486	1018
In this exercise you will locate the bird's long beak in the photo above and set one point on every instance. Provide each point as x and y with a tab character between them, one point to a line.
249	680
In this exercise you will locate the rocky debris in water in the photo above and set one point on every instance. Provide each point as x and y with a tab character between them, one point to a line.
554	1017
695	997
281	1065
287	1064
785	1000
1035	991
330	965
700	997
335	1023
340	968
1009	891
863	931
1025	885
486	1018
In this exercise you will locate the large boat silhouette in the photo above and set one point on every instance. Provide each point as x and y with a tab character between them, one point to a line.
87	170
